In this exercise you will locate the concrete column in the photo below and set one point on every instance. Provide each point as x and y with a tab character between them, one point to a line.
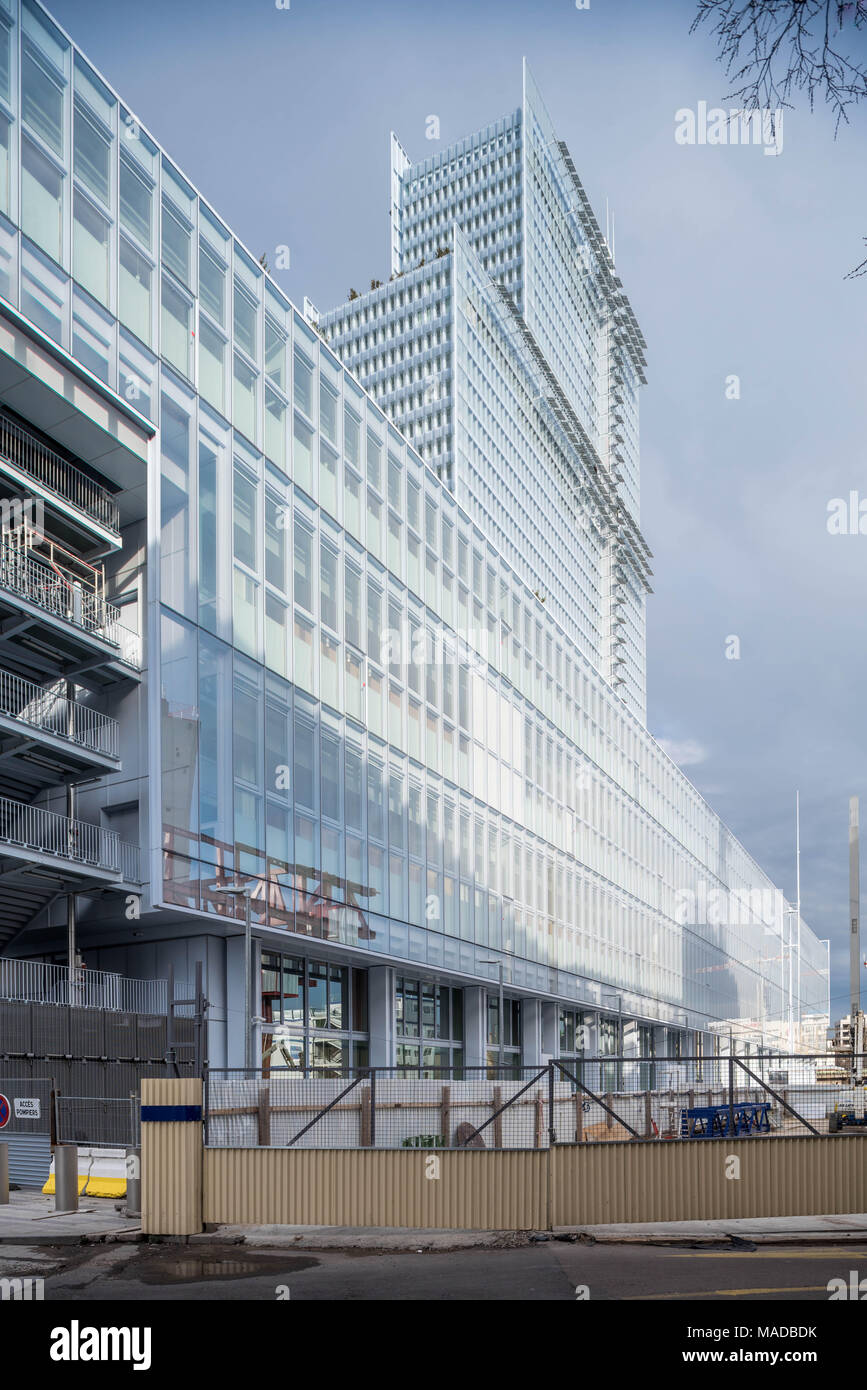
550	1029
531	1032
235	1010
475	1026
380	1010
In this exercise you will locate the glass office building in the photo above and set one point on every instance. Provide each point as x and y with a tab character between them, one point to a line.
380	660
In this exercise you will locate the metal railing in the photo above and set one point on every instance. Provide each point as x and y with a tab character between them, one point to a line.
47	832
31	456
582	1100
129	861
37	982
63	594
48	708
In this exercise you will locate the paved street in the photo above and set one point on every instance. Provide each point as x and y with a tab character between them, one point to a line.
548	1271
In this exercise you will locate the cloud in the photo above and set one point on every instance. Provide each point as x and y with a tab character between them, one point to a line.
685	752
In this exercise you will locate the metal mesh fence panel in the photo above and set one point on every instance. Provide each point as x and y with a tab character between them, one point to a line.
97	1123
15	1027
584	1100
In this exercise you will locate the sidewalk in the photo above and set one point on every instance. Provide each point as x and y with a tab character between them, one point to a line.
30	1219
771	1230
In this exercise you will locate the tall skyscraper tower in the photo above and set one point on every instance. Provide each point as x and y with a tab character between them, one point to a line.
505	346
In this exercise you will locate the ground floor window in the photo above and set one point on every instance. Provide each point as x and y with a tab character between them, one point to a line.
511	1041
609	1046
429	1024
576	1034
315	1014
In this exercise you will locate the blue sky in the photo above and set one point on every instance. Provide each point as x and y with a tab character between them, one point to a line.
734	263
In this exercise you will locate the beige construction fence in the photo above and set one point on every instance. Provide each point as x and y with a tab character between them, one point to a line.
185	1184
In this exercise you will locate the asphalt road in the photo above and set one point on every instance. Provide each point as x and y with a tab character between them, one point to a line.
549	1271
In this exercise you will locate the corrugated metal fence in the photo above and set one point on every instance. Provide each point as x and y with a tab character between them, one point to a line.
26	1103
566	1184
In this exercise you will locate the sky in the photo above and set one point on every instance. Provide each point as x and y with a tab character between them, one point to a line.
734	262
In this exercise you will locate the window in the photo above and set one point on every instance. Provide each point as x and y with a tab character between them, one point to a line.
5	59
275	353
41	200
303	384
136	374
42	97
245	320
92	155
275	542
328	586
136	202
92	337
212	283
245	519
303	565
432	1016
245	398
511	1040
90	248
176	332
44	293
176	242
302	455
328	411
212	366
275	427
315	1014
134	290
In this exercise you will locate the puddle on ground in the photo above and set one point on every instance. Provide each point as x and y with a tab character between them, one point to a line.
197	1269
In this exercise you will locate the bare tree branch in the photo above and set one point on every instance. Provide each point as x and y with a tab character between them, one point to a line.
774	48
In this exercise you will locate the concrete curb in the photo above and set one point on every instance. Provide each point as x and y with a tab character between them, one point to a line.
424	1242
387	1240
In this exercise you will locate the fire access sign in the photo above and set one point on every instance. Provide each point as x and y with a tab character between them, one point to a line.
25	1108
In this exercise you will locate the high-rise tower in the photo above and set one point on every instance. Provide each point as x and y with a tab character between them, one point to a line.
505	346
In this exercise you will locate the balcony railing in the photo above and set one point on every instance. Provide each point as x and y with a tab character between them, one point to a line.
33	457
48	708
36	982
78	842
60	590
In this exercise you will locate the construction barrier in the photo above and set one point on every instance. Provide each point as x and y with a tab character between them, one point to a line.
185	1184
101	1173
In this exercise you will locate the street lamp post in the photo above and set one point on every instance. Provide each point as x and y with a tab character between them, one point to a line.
245	891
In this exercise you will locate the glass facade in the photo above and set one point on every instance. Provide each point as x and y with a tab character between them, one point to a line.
428	1026
315	1014
385	692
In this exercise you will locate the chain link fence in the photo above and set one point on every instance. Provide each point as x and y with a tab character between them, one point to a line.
571	1101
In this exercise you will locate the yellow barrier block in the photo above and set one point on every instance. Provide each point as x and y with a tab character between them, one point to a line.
104	1187
48	1189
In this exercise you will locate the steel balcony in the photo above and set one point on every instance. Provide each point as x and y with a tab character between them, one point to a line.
24	458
